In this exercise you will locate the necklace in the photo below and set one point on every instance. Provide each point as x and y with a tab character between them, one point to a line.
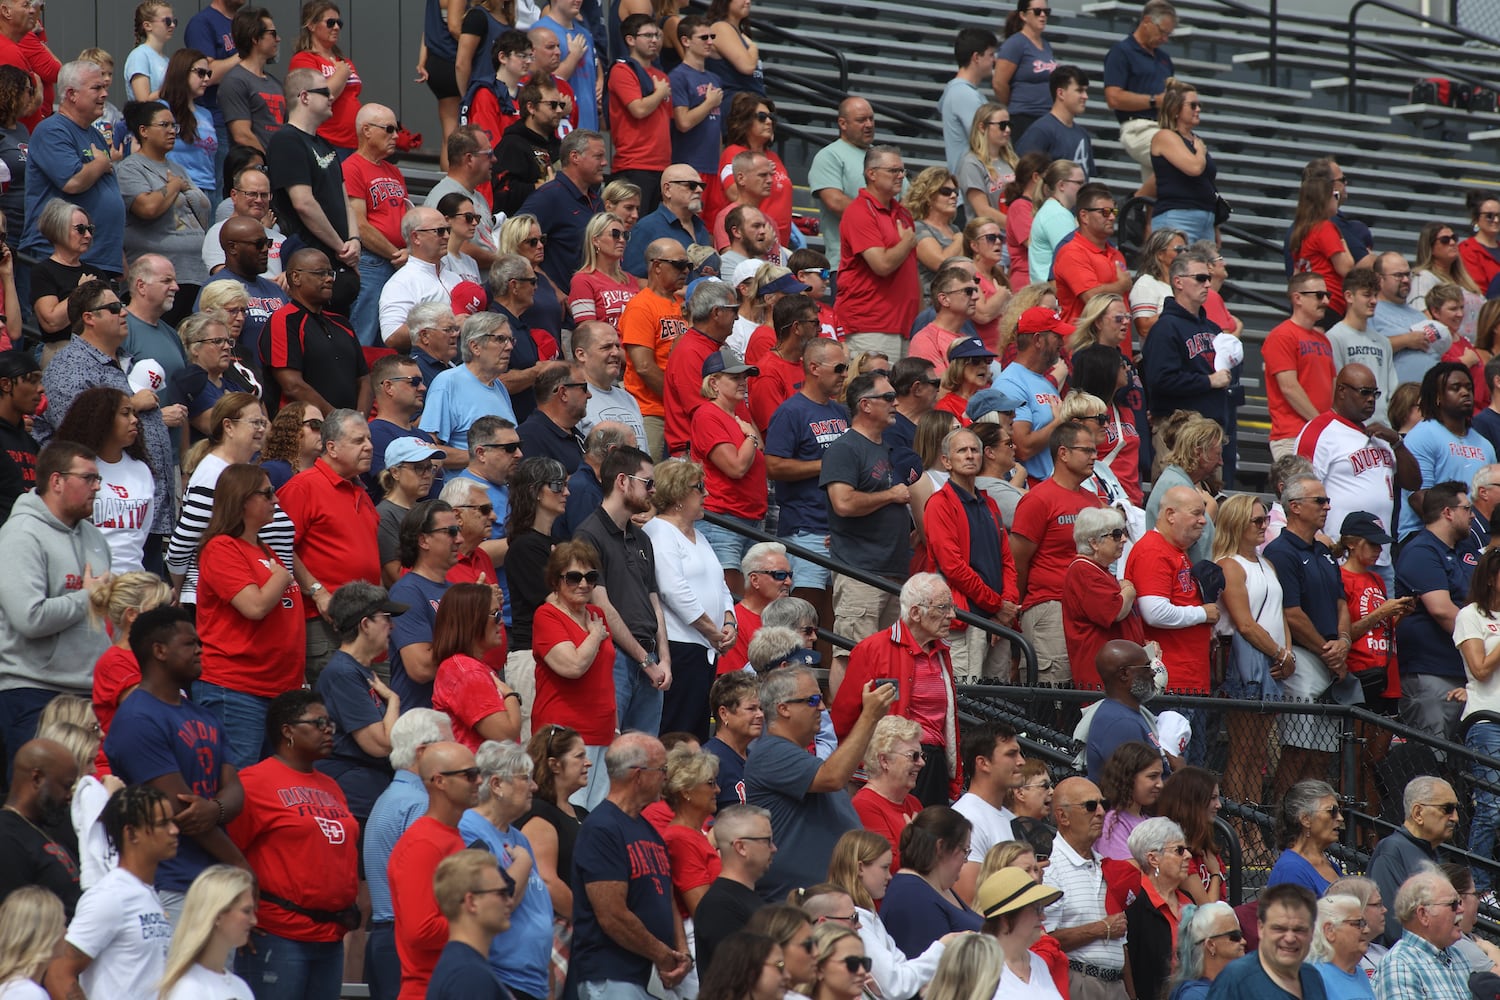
25	819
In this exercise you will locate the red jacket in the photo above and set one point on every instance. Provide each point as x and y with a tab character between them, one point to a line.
889	653
946	527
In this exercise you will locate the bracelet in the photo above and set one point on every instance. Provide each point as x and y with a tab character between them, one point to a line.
222	811
513	694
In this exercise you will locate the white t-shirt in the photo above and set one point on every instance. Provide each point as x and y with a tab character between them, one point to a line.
1357	470
991	825
617	405
122	510
1040	987
202	983
120	924
1147	296
21	988
213	253
1472	623
95	856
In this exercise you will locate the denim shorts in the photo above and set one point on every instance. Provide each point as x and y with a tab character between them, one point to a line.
809	574
729	546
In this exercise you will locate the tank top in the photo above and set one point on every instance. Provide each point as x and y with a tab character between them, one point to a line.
435	31
1264	592
1176	190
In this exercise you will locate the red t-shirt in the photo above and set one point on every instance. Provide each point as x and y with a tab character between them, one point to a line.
1160	569
300	839
1080	265
266	657
595	295
383	190
1122	883
957	405
477	567
421	928
762	341
338	129
1127	464
736	658
743	497
694	861
682	386
114	672
829	324
1476	372
1316	254
778	204
1045	517
879	814
465	689
1482	263
931	344
778	381
586	703
32	56
868	303
640	143
486	113
1307	353
1372	651
336	527
1091	598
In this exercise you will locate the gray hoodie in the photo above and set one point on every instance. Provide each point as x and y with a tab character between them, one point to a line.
47	637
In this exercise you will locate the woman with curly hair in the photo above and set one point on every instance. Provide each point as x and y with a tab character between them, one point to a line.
1130	782
104	421
293	443
1038	293
750	124
692	791
932	200
16	100
197	143
988	165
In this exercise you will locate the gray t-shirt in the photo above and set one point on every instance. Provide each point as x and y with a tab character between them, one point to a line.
960	100
924	273
1392	319
806	824
243	96
875	542
177	234
158	342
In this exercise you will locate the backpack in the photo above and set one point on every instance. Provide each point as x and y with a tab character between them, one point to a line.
643	78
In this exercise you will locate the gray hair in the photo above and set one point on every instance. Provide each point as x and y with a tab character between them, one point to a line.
1421	789
731	823
876	152
770	645
755	556
788	612
354	596
1358	886
606	437
779	687
576	141
57	215
1288	468
1197	928
1157	11
426	316
1331	909
72	74
1091	524
1420	888
1298	489
500	759
191	330
337	422
920	589
1485	475
417	728
1192	255
412	220
1152	835
628	753
952	436
508	267
457	490
708	296
477	327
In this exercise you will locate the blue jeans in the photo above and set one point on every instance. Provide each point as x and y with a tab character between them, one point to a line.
636	701
729	546
19	710
243	717
1195	224
382	964
374	272
283	969
1484	737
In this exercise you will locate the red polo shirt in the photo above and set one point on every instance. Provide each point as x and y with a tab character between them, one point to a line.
1079	266
867	302
336	527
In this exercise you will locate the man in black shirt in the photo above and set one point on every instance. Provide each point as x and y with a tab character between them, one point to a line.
526	153
20	394
310	354
562	398
743	834
42	776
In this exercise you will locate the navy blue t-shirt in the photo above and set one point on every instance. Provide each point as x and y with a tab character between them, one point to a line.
1425	564
422	596
1309	580
585	495
614	847
464	974
148	739
802	430
348	694
210	32
699	146
1113	724
731	773
1061	142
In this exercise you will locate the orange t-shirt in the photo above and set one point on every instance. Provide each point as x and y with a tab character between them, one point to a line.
650	320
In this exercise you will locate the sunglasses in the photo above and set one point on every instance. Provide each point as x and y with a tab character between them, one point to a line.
1448	808
821	272
443	231
536	241
202	74
1088	805
557	485
1201	279
472	218
764	116
333	22
1118	534
855	963
313	424
110	307
681	265
1365	392
811	701
947	192
573	578
779	575
614	234
694	185
415	380
485	509
170	22
510	448
451	531
1234	935
388	130
650	484
84	227
259	244
320	91
1447	239
889	397
467	773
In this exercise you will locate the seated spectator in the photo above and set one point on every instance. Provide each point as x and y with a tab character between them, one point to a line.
1338	946
103	420
364	711
1481	954
211	371
1424	960
216	921
1285	916
481	705
1097	606
742	835
1208	940
1125	670
1190	798
1308	823
70	232
920	905
691	791
1431	819
551	825
1152	919
475	899
520	956
892	762
1131	783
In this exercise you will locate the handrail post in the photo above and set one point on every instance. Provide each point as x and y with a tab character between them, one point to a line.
1349	744
1275	31
1352	67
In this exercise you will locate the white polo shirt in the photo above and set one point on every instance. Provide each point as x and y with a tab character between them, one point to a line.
1082	883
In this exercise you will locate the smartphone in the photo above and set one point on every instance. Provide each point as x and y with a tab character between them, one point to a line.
881	682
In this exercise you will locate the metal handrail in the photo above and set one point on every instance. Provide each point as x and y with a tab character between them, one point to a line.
775	31
880	583
1385	5
1273	19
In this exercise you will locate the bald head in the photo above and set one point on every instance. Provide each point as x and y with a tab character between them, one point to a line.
856	122
445	756
43	773
682	191
47	756
1069	793
247	249
665	278
1183	516
1119	655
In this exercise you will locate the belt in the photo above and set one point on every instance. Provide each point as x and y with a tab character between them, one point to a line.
1095	972
378	925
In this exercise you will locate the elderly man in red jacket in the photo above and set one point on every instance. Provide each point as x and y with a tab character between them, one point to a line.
913	654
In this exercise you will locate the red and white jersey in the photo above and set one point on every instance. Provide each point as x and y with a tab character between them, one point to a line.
1358	471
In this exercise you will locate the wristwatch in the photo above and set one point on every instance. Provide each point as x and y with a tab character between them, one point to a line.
316	589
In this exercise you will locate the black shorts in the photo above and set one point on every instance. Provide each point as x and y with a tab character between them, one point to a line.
442	78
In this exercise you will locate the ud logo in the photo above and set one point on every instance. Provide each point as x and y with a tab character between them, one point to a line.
332	829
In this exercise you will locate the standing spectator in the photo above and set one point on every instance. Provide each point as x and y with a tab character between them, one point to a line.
562	394
318	48
1445	444
1152	918
1316	243
1021	198
309	352
838	170
563	205
640	104
1475	634
452	781
428	550
1092	938
677	218
806	796
216	922
102	420
23	46
1299	365
460	397
423	277
1170	598
974	52
581	66
987	166
250	614
399	392
1097	606
1435	566
476	899
1195	453
494	450
1152	286
1041	542
48	641
68	159
697	99
992	761
1186	198
602	288
1090	264
149	316
336	525
308	190
251	99
160	738
877	237
168	213
117	941
377	194
1023	66
211	372
1027	379
731	451
245	245
41	773
539	306
745	848
527	154
466	630
650	326
1126	672
305	860
734	701
20	395
1055	219
1351	337
1136	70
470	156
1418	342
1058	132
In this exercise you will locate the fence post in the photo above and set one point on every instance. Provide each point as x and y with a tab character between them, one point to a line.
1349	745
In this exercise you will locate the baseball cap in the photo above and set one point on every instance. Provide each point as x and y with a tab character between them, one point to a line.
745	270
987	401
1010	890
354	602
468	298
726	362
803	657
409	449
1040	319
692	286
973	347
1363	524
14	364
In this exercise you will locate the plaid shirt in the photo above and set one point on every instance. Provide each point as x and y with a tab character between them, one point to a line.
1415	969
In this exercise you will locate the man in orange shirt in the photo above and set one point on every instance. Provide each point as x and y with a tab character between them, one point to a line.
1089	264
650	326
641	119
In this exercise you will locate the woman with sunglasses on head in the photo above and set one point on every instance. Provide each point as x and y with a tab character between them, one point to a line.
1023	66
1338	947
601	287
318	48
71	232
197	143
249	613
293	443
1438	262
306	860
522	234
1208	938
467	687
1315	243
146	64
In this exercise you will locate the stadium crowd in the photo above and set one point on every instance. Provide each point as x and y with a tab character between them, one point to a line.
364	622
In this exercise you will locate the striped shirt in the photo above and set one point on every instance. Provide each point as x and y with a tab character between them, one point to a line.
1082	883
197	508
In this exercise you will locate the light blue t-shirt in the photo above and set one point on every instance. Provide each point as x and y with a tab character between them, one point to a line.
1342	985
1050	227
1442	457
456	399
1036	395
145	61
1392	319
585	76
197	158
960	100
520	957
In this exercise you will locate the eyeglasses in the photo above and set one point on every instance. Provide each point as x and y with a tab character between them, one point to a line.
322	722
1260	522
779	575
319	272
171	126
1234	935
1365	392
852	920
443	231
256	422
313	424
573	578
485	509
811	701
1201	279
1452	904
110	307
1448	808
216	341
1044	783
1359	922
1181	850
765	116
451	531
854	963
1087	805
467	773
946	610
1088	448
504	890
889	397
92	478
500	338
333	22
1400	275
650	484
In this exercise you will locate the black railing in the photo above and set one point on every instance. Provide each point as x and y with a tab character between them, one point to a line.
1352	43
1273	18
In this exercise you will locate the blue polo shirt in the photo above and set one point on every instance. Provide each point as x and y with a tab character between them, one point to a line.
1309	580
562	211
1426	564
660	224
1128	65
398	807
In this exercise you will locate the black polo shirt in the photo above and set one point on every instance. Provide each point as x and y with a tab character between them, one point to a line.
628	564
541	437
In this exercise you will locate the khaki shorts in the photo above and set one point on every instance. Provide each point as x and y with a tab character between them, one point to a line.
859	610
520	674
1135	137
1042	625
975	658
892	345
1282	447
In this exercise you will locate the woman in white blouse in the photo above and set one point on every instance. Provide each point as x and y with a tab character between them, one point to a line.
1476	633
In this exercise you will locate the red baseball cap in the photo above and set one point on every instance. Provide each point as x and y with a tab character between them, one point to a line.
1040	319
468	298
